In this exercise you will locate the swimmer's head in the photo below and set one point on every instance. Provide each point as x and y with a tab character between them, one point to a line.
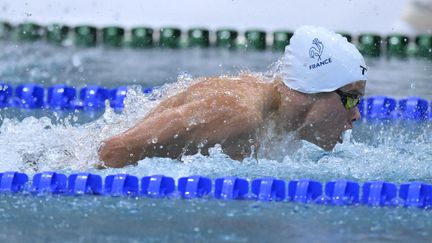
319	60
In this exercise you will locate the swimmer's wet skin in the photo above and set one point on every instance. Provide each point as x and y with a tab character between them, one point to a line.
318	104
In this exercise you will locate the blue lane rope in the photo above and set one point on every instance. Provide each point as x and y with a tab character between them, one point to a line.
92	97
337	192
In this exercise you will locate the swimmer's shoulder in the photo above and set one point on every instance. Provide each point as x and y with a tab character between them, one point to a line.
252	87
243	79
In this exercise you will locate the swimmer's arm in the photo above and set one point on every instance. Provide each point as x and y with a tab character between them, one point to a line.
213	120
171	102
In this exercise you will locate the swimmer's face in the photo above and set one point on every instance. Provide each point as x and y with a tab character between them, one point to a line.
328	118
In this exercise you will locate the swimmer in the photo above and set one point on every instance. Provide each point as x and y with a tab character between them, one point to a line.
316	96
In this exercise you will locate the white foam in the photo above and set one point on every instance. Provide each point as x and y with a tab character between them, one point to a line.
370	152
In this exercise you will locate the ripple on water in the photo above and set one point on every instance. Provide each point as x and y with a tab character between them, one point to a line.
396	153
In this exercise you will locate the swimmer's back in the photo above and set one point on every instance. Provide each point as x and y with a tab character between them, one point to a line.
246	90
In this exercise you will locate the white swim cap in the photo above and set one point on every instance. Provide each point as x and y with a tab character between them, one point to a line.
319	60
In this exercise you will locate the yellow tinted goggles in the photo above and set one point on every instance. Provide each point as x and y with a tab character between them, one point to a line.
349	101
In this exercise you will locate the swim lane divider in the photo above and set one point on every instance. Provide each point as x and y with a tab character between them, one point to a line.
93	97
370	44
337	192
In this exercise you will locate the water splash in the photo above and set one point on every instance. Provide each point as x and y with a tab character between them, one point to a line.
396	152
33	144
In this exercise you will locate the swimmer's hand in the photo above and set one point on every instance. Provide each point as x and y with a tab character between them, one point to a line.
114	153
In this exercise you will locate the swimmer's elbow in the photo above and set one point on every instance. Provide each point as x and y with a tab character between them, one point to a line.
242	123
251	118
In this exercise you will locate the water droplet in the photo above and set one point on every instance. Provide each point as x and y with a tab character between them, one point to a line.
154	140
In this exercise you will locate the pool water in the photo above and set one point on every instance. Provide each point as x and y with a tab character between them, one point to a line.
38	140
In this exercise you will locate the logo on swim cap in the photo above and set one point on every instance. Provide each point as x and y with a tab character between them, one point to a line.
316	51
363	69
